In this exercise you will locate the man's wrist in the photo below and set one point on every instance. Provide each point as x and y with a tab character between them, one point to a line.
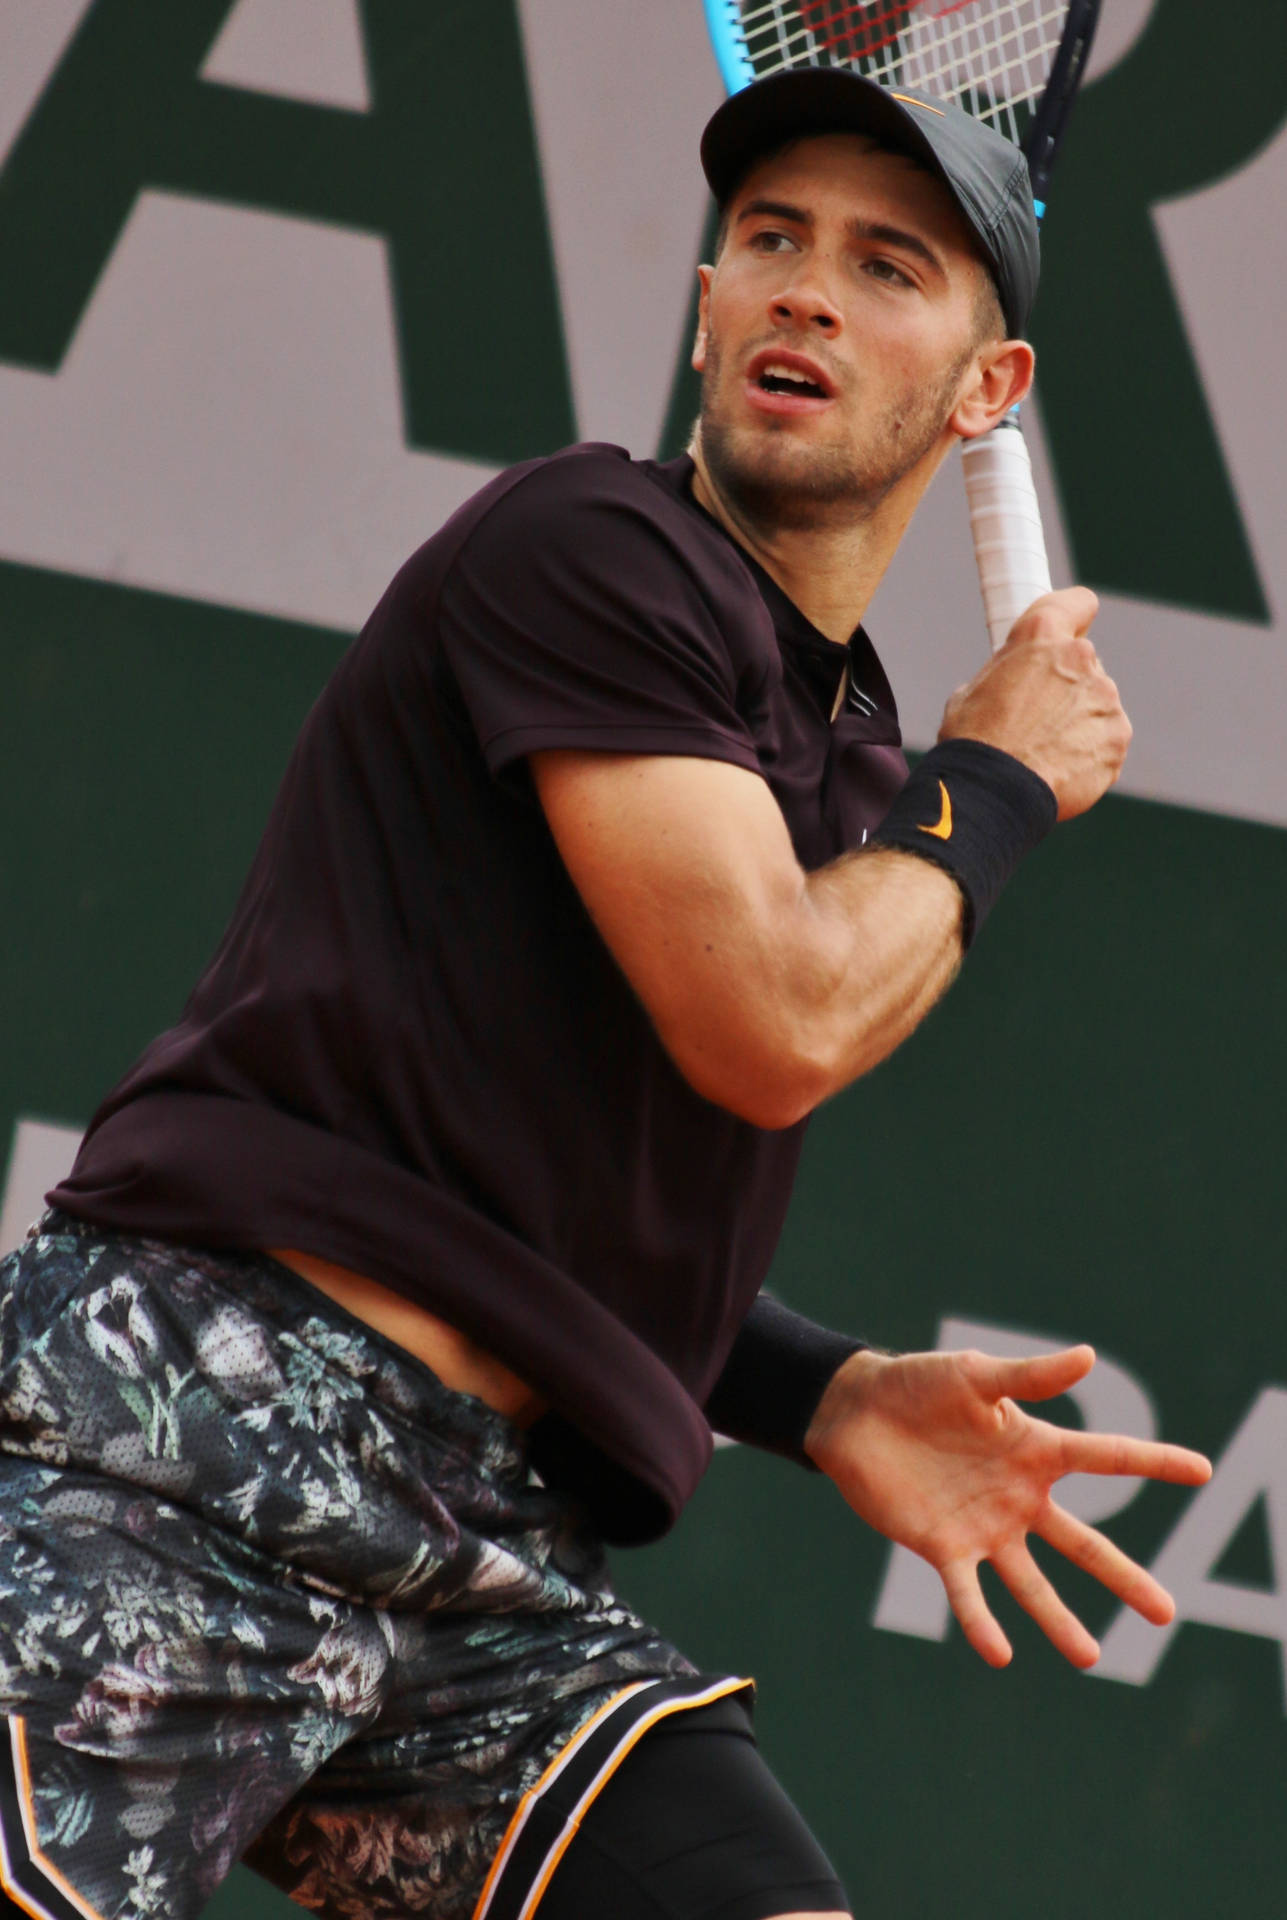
975	811
841	1398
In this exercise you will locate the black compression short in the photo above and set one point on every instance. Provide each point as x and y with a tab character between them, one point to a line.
693	1826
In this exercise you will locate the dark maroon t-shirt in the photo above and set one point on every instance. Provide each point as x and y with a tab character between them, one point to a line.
412	1053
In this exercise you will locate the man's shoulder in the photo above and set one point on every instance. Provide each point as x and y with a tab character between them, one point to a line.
593	470
596	502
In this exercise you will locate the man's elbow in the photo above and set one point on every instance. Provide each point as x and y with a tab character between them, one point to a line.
772	1087
771	1045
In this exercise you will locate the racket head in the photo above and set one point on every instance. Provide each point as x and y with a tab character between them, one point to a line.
1015	64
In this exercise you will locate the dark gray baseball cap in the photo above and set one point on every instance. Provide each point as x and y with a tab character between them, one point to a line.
985	173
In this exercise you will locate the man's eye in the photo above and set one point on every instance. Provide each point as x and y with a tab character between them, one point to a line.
769	242
885	270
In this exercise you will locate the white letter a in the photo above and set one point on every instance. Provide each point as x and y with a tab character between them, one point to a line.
1253	1464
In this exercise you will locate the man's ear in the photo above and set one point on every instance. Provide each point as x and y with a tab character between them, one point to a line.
705	275
1001	378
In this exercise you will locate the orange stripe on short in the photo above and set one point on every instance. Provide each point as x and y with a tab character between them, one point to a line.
27	1807
533	1794
629	1739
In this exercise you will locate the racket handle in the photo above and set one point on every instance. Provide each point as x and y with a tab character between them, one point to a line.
1009	545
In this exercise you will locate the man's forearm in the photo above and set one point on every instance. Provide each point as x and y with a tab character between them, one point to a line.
899	914
885	944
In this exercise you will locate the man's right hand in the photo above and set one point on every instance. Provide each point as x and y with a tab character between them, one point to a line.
1045	698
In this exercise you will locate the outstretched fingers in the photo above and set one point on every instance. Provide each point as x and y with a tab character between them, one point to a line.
961	1581
1040	1377
1119	1453
1096	1555
1038	1598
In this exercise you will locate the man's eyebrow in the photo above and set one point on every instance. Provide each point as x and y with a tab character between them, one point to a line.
775	210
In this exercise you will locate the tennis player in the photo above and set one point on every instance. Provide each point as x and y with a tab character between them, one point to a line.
420	1258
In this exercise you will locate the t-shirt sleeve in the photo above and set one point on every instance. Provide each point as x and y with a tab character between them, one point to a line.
584	611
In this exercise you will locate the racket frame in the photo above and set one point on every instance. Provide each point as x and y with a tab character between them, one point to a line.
1044	134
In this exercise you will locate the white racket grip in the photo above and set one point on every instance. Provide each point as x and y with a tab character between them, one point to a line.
1009	544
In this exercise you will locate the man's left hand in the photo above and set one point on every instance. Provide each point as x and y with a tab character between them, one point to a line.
931	1450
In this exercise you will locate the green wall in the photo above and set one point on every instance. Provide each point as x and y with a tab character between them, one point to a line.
141	742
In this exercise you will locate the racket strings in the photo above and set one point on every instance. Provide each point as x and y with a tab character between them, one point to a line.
990	56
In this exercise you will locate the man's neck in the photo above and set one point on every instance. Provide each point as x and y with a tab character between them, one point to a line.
830	572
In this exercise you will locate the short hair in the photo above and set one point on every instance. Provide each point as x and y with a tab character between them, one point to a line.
989	315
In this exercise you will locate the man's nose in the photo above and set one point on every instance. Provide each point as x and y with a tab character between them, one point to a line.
805	303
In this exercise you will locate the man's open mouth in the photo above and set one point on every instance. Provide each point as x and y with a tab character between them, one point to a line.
788	383
778	380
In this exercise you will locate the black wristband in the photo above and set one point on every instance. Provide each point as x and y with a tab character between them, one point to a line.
975	811
777	1371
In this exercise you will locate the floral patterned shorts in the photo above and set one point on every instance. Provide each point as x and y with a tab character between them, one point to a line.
268	1590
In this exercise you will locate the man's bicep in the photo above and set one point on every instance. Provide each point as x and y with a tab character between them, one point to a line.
687	869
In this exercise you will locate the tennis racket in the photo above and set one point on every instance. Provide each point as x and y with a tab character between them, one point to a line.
1016	64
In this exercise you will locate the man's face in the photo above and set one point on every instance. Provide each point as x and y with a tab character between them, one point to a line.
836	331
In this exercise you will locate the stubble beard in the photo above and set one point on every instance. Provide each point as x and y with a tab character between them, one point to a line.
777	481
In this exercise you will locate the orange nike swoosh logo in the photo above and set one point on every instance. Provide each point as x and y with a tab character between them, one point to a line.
942	828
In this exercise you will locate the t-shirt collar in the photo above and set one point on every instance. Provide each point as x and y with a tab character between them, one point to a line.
869	693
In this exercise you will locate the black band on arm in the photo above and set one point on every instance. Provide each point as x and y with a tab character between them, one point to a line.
974	811
776	1373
